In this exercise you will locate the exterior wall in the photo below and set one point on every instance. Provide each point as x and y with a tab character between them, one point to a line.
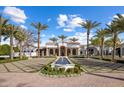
28	54
122	50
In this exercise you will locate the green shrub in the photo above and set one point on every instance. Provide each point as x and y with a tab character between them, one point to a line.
61	71
4	49
24	57
16	49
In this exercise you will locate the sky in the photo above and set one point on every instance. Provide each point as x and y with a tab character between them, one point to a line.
61	19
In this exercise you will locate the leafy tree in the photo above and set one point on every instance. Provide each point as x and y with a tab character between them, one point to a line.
3	23
21	37
9	33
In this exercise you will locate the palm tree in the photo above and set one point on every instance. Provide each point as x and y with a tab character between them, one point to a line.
62	37
114	30
89	25
3	22
73	39
9	33
95	41
21	37
39	26
54	40
101	33
109	42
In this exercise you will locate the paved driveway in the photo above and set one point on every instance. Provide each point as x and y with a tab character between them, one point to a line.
85	80
99	66
32	65
18	74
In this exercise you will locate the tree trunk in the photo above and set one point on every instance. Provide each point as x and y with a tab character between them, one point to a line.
38	44
101	52
87	44
102	41
113	54
11	47
20	52
0	37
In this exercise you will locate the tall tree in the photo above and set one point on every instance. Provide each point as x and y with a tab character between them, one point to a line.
89	25
54	40
9	33
3	23
101	33
95	41
73	39
62	37
21	37
114	30
40	27
109	42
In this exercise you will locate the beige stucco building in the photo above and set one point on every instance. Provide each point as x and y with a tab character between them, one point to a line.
61	49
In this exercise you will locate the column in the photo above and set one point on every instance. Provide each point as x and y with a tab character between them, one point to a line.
54	51
42	53
47	52
78	51
66	51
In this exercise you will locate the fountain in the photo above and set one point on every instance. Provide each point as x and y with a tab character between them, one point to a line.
62	62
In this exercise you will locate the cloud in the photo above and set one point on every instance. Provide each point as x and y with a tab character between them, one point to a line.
68	30
62	19
52	35
49	19
43	35
115	16
22	26
69	22
82	37
16	15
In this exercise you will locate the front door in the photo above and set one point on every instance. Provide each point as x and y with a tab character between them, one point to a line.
62	51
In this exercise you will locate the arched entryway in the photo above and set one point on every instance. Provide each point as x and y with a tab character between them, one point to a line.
51	51
74	51
68	52
62	51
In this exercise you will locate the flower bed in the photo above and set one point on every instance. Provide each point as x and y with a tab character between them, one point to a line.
49	71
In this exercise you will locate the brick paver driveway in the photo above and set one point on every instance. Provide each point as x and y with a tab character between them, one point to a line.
99	66
31	65
15	74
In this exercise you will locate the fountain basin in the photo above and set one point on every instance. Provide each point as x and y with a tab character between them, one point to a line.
62	62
